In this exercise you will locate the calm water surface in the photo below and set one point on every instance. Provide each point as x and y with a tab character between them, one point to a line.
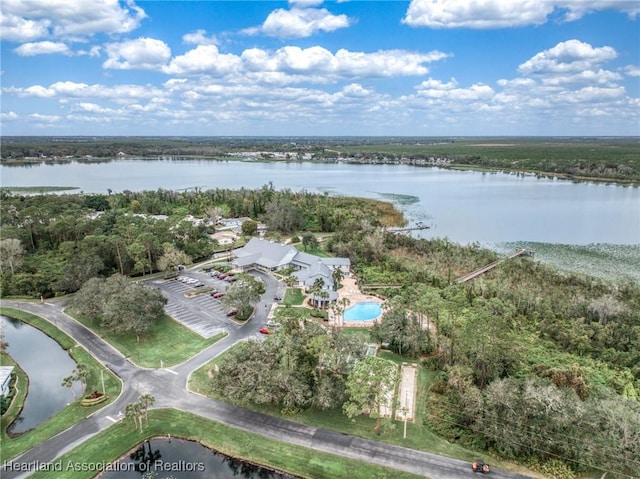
179	459
46	363
464	206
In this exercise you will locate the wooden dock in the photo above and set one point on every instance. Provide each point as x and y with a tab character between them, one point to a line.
493	264
418	226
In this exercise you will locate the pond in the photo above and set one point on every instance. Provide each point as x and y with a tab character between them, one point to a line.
45	363
180	459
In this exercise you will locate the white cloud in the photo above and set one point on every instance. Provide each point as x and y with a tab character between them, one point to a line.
320	64
601	77
300	21
29	20
436	89
632	70
204	59
15	28
45	118
142	53
8	116
42	48
503	13
577	9
567	57
476	13
292	64
199	37
72	90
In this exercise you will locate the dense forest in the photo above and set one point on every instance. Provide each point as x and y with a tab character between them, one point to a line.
605	159
531	364
52	244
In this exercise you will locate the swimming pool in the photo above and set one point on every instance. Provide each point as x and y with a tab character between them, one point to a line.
362	312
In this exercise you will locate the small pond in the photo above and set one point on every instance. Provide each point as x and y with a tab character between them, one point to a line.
46	363
180	459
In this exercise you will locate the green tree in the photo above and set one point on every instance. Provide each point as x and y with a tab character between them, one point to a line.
369	385
146	401
11	253
309	241
282	215
120	305
81	374
243	295
171	257
249	228
337	275
67	382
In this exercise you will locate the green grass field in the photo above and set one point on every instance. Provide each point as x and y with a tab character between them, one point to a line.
168	341
293	297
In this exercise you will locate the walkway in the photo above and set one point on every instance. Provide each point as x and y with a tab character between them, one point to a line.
490	266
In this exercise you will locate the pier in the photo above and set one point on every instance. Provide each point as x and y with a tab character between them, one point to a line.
493	264
419	225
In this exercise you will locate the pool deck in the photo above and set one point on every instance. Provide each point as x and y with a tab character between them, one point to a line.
349	289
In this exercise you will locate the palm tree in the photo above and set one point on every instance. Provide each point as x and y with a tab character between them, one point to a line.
146	400
337	275
67	382
342	304
316	289
81	373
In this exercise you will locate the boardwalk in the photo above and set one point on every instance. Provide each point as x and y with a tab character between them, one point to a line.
490	266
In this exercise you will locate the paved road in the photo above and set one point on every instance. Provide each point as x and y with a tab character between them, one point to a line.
169	386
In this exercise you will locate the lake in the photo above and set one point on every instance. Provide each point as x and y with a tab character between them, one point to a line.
45	363
465	206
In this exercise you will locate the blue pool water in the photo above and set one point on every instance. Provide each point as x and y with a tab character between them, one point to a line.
362	312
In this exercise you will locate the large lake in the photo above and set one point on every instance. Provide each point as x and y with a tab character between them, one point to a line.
465	206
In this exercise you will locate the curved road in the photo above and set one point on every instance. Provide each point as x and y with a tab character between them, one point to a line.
169	387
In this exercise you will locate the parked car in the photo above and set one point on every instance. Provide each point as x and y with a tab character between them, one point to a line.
222	276
232	312
218	295
198	284
264	330
213	293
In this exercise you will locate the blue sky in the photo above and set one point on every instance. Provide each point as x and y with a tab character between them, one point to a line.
307	67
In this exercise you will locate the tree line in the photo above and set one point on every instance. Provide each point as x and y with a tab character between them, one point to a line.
53	244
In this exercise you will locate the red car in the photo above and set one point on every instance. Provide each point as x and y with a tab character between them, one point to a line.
232	312
218	295
264	330
222	276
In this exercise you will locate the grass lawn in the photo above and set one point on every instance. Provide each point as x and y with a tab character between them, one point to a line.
73	413
118	439
364	332
168	341
299	312
293	297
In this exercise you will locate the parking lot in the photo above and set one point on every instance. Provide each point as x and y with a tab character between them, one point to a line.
201	313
